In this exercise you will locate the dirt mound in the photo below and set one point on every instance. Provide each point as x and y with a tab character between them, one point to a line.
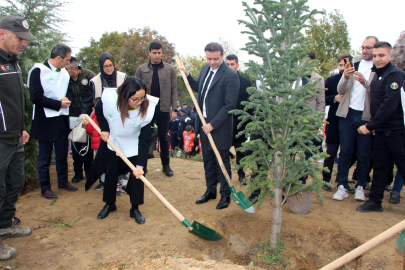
67	234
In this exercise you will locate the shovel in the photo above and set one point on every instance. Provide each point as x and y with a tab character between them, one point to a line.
239	198
196	228
368	245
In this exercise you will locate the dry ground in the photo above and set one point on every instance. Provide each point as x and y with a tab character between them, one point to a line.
67	234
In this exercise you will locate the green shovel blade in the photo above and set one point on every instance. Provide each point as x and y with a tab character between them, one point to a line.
202	231
240	199
400	243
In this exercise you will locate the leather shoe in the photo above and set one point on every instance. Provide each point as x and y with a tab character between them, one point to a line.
77	178
206	197
106	210
168	171
253	197
67	187
137	216
326	187
224	202
242	180
350	189
49	195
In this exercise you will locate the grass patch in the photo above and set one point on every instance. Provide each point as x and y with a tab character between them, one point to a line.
60	223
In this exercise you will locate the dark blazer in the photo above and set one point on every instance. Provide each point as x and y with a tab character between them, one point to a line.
332	129
221	98
42	128
243	96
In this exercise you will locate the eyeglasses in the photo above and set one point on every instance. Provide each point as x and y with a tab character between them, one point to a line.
138	99
366	48
109	66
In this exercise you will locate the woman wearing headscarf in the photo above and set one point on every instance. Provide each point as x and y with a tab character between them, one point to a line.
108	77
125	116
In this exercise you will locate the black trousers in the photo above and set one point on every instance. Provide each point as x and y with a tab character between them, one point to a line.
116	167
331	150
213	173
174	141
388	147
79	160
239	155
162	120
11	180
44	158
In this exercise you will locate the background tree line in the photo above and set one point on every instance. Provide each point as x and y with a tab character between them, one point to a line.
130	49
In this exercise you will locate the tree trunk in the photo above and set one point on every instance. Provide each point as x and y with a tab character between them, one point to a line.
276	217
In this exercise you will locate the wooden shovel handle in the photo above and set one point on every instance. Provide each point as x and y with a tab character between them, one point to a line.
366	246
190	91
144	180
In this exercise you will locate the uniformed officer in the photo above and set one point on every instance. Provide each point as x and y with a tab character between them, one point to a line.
387	122
14	33
79	83
183	122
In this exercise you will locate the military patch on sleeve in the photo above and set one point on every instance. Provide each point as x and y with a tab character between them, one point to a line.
394	85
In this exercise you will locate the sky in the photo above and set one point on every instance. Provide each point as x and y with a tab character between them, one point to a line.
190	25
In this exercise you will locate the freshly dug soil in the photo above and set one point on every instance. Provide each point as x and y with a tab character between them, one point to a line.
67	235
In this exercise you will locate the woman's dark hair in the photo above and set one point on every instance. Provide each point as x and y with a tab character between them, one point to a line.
127	90
96	100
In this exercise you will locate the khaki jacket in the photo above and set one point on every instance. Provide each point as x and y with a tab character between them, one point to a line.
167	81
345	87
317	102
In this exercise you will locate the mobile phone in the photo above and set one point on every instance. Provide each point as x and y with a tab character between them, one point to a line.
347	61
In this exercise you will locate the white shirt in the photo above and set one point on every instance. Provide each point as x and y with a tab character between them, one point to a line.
208	88
358	94
52	67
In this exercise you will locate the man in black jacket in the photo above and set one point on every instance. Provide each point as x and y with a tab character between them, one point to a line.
217	87
79	83
387	122
333	98
232	62
14	34
51	95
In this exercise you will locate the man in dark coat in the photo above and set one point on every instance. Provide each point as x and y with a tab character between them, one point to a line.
387	107
51	95
232	62
217	87
79	83
333	98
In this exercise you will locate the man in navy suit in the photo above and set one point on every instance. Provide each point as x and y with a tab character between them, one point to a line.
217	87
51	95
232	62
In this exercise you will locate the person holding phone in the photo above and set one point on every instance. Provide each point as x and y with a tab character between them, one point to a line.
354	111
